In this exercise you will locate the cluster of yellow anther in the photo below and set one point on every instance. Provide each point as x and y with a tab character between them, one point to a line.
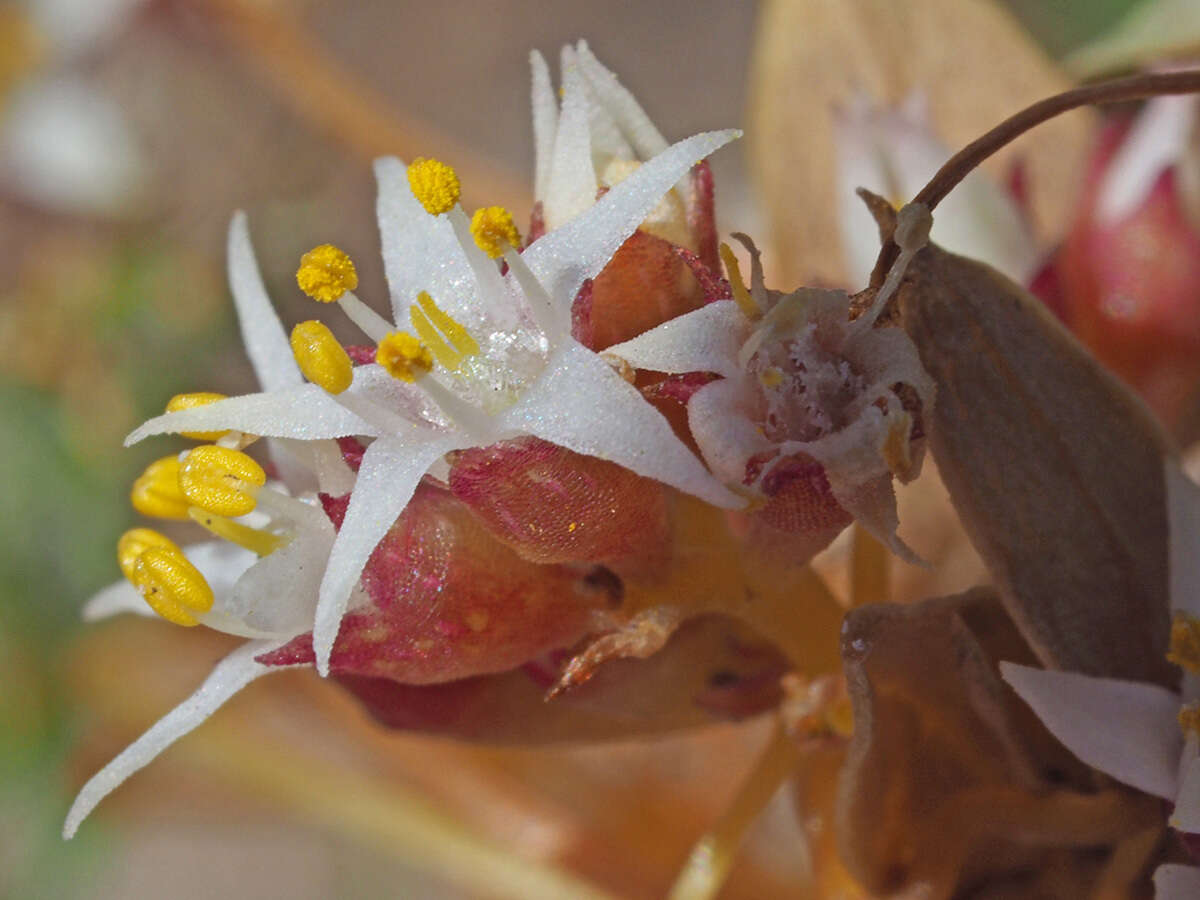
403	356
326	273
169	583
494	230
1185	642
221	480
434	184
191	401
321	358
741	296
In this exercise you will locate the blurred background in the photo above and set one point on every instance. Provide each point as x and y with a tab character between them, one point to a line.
130	130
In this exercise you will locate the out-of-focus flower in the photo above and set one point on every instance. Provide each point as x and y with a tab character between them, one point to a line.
814	411
1141	734
893	151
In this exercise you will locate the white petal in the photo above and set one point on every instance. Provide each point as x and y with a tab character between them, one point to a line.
722	419
571	186
1126	729
706	340
420	252
545	123
390	471
564	258
305	412
860	163
230	675
1176	882
1156	141
262	333
278	594
1186	816
580	403
121	597
1183	519
620	104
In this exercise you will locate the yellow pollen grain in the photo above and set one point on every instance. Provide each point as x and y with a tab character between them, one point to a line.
136	541
434	184
1189	718
325	273
171	585
156	491
737	285
1185	642
321	358
771	377
220	480
403	356
494	230
448	325
191	401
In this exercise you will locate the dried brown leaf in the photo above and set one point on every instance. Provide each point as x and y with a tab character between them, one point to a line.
969	57
1054	467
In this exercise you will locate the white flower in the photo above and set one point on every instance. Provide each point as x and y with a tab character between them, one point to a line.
799	377
1141	734
894	152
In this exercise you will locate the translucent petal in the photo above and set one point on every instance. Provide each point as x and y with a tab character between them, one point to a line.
580	403
1183	511
1126	729
571	186
262	333
1176	882
722	419
113	600
1158	139
278	594
230	675
706	340
620	104
305	412
390	471
564	258
1186	816
545	123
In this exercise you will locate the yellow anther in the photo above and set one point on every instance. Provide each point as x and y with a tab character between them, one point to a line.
156	491
256	541
494	230
448	358
191	401
771	377
448	325
321	358
1185	642
326	273
434	184
137	541
1189	718
741	296
221	480
171	585
403	356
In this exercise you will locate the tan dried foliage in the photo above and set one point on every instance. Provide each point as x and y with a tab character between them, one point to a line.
969	57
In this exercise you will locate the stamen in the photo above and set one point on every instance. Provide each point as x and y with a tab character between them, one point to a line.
221	480
448	358
325	273
321	358
136	541
494	230
741	296
434	184
156	491
171	585
1185	642
262	543
1189	718
404	357
191	401
450	327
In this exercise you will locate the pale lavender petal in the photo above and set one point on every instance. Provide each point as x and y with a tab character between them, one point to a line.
564	258
390	471
1126	729
1183	519
706	340
580	403
230	675
723	420
262	333
545	123
1176	882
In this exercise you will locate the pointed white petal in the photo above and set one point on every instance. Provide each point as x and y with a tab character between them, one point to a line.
1186	816
571	186
420	252
1176	882
278	594
722	419
262	332
230	675
305	412
564	258
620	104
706	340
1126	729
1158	139
580	403
117	598
390	471
1183	519
545	123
